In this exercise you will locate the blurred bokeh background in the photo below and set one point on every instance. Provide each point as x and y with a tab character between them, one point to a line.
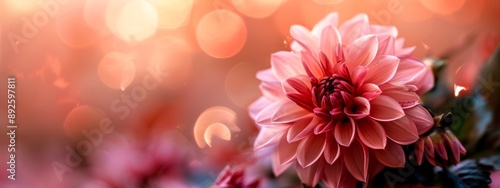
132	72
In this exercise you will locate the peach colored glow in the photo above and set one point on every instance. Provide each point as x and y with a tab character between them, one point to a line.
82	117
237	79
218	130
116	70
205	123
95	13
221	33
136	21
21	6
328	2
257	8
73	30
443	6
172	56
172	13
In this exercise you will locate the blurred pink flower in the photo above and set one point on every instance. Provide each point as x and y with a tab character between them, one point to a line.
330	104
233	178
161	161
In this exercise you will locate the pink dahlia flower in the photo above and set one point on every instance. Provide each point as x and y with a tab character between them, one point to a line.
344	99
235	178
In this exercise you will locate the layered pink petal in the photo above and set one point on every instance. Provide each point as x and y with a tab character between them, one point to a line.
310	175
419	151
332	19
385	45
330	38
369	91
384	108
257	106
264	117
356	160
404	94
311	65
414	72
334	173
371	133
344	131
361	52
286	64
421	117
384	30
286	151
402	131
302	128
268	136
267	75
278	168
358	75
271	90
288	112
392	156
332	150
311	149
382	69
354	28
358	108
306	40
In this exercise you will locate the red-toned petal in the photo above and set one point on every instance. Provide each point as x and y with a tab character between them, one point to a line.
298	84
356	160
302	128
311	174
323	127
402	131
288	112
402	94
332	150
330	38
311	149
358	75
448	137
384	108
392	156
286	64
311	65
419	151
334	173
429	147
440	147
268	136
371	133
286	151
361	106
278	168
344	132
421	117
369	91
382	69
361	52
304	37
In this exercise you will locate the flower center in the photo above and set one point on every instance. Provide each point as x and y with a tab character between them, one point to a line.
330	95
